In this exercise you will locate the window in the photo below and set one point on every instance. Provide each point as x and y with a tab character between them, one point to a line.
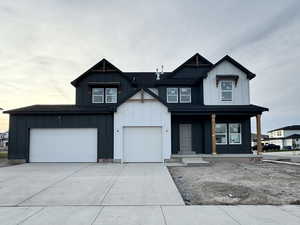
226	90
172	95
98	95
185	95
235	133
111	95
221	133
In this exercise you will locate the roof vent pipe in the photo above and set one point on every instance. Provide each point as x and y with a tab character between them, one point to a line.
159	73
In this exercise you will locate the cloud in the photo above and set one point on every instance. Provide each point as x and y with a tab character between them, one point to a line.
266	29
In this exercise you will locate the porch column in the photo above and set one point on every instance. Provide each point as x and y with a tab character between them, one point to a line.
213	134
258	134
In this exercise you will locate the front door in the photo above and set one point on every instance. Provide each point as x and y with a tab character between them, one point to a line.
185	138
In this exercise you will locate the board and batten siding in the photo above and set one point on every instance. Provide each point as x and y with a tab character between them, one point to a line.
20	126
150	113
241	95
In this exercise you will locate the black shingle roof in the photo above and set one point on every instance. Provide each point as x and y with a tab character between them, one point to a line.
292	127
219	109
62	109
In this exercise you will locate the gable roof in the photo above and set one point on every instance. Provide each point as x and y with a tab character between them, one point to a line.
133	92
196	60
249	74
103	66
292	127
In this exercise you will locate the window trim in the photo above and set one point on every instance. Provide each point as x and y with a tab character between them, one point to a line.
103	96
172	95
226	134
190	95
221	91
107	95
240	134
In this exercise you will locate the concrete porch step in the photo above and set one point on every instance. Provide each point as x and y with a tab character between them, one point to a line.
195	162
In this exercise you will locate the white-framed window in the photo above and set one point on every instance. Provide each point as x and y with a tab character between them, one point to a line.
185	95
98	95
221	133
226	90
172	95
111	95
235	136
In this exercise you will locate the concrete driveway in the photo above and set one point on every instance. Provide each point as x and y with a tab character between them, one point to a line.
61	184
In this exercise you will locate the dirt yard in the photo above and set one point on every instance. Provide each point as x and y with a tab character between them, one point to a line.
238	183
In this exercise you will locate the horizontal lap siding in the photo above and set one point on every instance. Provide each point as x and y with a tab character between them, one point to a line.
21	124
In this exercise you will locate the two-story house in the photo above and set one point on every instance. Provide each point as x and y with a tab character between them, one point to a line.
285	137
3	141
199	108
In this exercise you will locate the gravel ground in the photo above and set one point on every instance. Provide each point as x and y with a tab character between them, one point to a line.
235	183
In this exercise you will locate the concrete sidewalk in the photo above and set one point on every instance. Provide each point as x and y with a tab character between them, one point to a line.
151	215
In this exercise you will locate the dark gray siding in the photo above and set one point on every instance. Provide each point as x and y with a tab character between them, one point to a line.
197	94
20	127
84	91
201	134
198	136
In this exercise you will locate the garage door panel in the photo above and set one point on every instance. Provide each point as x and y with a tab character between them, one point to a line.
63	145
142	144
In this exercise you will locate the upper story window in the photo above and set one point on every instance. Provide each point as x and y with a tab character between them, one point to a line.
98	95
107	95
111	95
226	90
182	95
185	95
172	95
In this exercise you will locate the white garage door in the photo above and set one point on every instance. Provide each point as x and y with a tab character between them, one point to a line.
63	145
142	144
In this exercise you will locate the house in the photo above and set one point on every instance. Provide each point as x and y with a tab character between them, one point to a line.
198	108
286	137
3	141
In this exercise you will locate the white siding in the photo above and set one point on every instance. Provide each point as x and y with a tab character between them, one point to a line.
291	132
138	114
277	142
241	95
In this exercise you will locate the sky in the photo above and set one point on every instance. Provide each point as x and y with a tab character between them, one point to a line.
44	45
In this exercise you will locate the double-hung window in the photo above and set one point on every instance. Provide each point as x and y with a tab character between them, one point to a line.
182	95
111	95
235	133
221	133
226	90
107	95
98	95
228	133
185	95
172	95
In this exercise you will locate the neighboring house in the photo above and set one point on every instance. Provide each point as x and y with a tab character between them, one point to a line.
3	141
254	139
141	116
285	137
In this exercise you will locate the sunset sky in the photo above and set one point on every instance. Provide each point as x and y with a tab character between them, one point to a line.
44	45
